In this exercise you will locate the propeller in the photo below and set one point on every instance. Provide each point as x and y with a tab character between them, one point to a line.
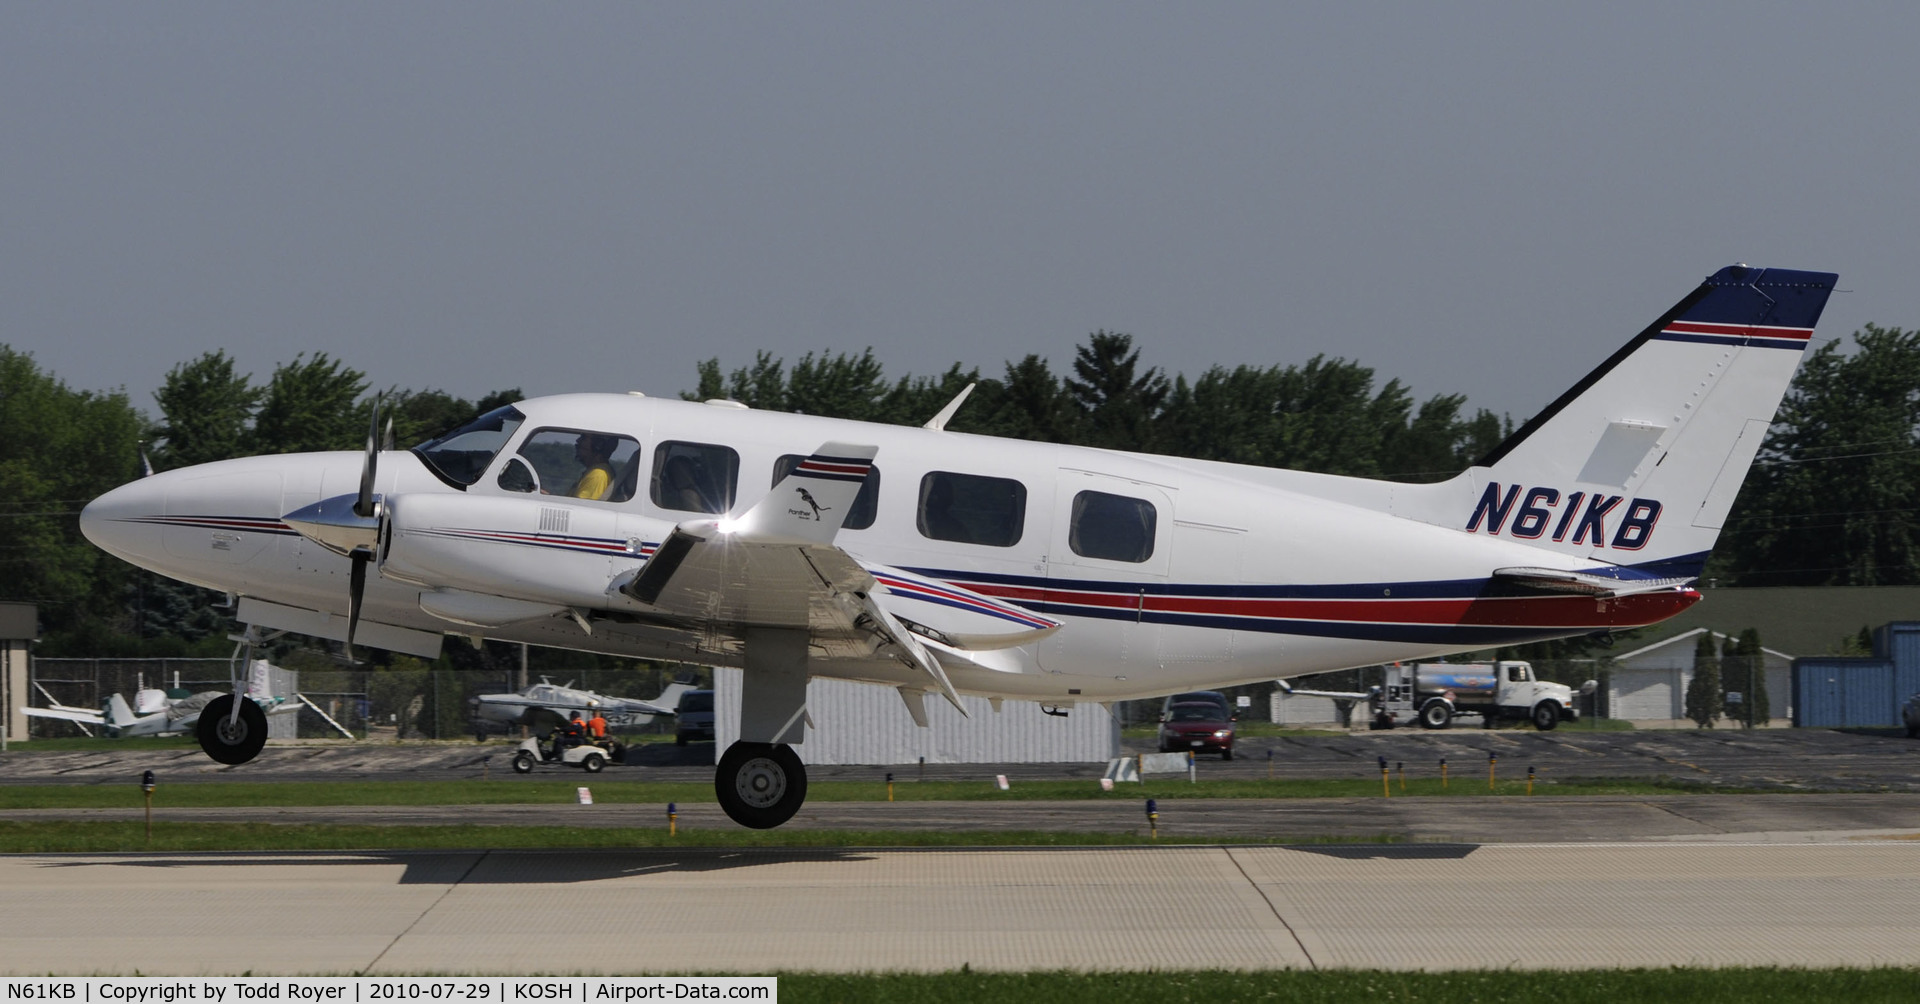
349	525
365	507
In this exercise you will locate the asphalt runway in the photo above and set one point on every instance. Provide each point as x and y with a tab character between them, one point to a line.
1745	818
1779	759
1432	906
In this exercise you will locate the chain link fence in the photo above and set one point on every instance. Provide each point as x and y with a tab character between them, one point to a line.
414	701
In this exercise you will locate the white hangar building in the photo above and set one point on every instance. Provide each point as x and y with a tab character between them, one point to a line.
1650	683
859	723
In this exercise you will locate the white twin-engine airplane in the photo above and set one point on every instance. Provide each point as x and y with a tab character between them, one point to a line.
942	563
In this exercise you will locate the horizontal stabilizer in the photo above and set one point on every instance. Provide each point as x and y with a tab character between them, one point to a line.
1585	583
66	714
1338	695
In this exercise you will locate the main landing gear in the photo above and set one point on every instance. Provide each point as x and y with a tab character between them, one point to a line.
760	785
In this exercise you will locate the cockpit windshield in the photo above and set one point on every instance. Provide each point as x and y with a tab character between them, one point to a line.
461	456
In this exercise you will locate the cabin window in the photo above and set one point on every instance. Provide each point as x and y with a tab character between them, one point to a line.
1113	527
972	509
694	477
1516	674
460	457
866	505
577	463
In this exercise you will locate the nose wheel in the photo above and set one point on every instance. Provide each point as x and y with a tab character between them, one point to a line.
760	785
229	739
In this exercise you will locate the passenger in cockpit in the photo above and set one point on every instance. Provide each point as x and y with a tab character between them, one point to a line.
595	452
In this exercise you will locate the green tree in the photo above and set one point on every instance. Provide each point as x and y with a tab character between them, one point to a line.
205	410
1116	402
1830	500
1704	696
419	415
1028	403
839	385
1752	674
62	448
312	404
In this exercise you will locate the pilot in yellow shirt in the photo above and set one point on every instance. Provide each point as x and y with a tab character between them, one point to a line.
596	452
593	482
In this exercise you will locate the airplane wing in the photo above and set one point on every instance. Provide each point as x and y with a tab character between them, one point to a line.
777	566
1584	583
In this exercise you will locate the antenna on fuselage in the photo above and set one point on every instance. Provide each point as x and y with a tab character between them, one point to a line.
938	423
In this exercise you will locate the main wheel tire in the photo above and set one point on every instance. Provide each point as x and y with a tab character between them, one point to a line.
233	742
1436	715
593	763
760	785
523	762
1545	716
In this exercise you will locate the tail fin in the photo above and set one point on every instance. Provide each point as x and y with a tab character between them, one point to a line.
119	716
1639	462
670	696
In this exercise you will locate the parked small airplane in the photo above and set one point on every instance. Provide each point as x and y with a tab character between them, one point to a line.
155	714
634	526
546	704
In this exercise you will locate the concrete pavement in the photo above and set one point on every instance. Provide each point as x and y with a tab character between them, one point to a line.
1432	906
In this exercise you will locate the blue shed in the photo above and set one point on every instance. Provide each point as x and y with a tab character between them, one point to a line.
1831	691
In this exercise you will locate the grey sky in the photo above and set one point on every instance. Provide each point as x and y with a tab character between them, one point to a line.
1483	199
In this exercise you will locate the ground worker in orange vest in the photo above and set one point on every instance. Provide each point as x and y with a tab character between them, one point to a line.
572	734
597	725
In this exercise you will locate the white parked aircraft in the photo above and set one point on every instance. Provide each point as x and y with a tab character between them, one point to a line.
155	714
547	702
943	563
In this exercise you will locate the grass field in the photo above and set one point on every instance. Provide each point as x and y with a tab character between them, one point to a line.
1602	986
1467	782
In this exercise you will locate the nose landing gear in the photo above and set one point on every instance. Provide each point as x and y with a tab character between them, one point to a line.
231	739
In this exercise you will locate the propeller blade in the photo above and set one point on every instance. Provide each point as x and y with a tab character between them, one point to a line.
364	506
386	438
356	586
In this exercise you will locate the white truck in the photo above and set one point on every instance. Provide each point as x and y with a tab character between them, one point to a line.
1435	693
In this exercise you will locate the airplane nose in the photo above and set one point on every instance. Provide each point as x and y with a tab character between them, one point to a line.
122	522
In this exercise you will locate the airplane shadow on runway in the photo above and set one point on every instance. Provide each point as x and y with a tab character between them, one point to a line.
1390	852
502	867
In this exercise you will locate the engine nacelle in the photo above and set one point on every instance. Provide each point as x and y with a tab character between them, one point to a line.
536	549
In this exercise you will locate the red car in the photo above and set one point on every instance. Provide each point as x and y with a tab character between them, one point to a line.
1201	728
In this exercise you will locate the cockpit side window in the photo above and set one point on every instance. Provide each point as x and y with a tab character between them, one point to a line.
578	463
460	457
694	477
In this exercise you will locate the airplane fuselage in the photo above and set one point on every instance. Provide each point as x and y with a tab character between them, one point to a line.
1225	574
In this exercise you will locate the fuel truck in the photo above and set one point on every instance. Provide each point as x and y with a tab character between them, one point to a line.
1435	693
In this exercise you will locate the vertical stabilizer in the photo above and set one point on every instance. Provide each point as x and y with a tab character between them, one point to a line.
1638	463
